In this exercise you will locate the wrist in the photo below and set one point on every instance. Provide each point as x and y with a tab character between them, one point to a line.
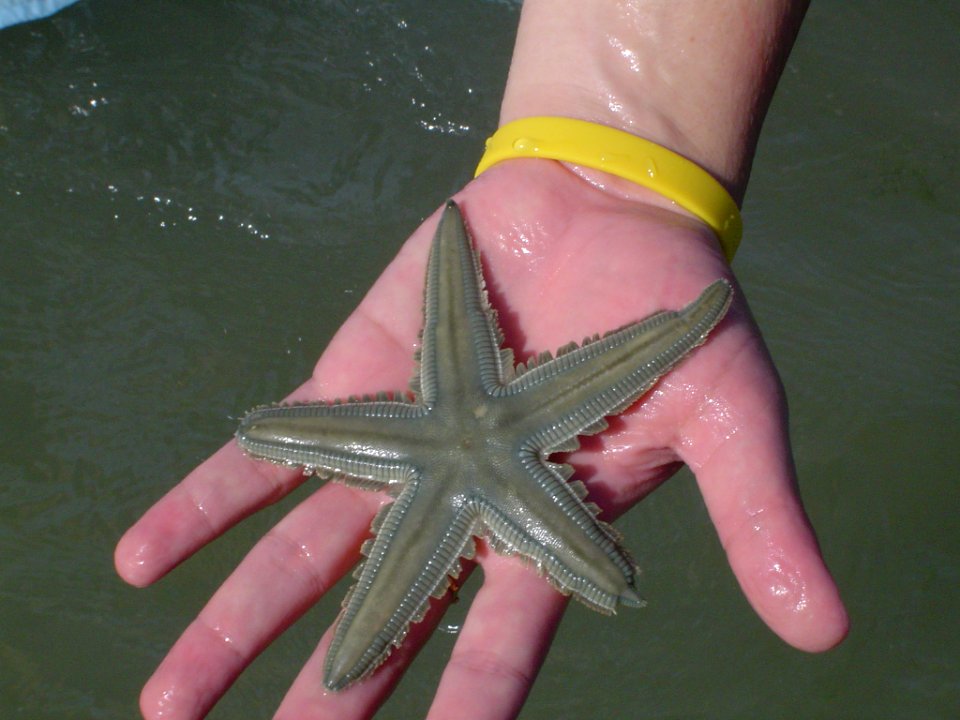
587	145
694	78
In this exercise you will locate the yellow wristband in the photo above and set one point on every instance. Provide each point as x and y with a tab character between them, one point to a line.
624	155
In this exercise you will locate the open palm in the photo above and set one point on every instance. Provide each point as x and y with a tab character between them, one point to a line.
563	260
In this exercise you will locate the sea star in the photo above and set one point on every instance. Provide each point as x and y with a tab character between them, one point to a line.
466	454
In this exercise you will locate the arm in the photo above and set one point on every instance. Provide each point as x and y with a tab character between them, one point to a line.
547	237
695	77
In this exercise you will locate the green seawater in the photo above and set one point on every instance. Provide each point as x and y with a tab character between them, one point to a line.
193	197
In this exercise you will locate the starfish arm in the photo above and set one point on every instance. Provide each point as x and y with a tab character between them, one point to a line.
460	340
360	442
545	520
418	544
602	378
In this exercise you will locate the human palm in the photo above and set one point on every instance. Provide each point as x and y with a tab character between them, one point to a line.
563	259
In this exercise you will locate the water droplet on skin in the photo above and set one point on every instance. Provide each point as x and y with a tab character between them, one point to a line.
167	703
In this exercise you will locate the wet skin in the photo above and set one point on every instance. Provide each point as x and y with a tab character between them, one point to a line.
467	454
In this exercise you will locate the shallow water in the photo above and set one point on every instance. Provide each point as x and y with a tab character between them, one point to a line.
175	178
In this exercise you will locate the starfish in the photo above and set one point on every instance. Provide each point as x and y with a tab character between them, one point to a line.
466	453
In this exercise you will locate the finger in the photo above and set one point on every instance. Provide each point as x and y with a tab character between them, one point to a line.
282	576
218	494
502	644
372	351
737	446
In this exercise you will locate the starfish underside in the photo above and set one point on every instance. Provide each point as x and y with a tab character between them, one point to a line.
466	454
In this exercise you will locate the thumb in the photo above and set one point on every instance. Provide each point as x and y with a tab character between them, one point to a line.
738	447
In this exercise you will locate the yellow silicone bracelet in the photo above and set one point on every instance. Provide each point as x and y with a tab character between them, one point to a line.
624	155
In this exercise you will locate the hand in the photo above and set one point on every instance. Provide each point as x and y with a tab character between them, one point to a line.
563	259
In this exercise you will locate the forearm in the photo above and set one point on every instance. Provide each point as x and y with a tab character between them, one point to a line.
695	76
